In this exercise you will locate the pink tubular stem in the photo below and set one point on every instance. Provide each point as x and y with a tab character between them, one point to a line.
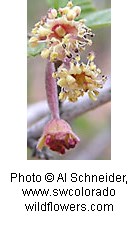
51	90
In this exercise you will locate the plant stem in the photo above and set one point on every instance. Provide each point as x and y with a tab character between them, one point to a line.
57	65
51	90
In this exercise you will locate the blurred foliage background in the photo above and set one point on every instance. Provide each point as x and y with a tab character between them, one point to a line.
93	128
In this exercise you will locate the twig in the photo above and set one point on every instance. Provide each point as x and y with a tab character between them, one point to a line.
45	154
37	111
71	110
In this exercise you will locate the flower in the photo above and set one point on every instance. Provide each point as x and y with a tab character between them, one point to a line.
75	78
58	136
63	36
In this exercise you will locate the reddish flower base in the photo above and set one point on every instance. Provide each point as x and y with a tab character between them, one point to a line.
58	136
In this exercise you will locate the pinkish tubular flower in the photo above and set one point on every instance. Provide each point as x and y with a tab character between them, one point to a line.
58	136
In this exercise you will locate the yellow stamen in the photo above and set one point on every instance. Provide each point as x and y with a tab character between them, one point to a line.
91	57
88	79
70	4
33	41
43	32
64	10
77	58
52	14
54	75
96	92
77	10
62	82
62	96
53	56
34	30
45	53
92	66
71	15
92	96
37	24
70	79
98	70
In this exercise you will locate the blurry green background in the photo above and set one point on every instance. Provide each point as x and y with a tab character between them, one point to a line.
93	128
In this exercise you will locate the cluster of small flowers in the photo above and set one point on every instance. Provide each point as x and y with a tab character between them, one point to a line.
78	78
62	35
65	38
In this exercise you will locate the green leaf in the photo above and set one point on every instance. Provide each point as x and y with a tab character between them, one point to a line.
36	50
99	18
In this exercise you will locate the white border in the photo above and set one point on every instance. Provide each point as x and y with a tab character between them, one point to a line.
124	120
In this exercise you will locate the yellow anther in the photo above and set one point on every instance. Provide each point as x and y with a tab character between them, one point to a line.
78	93
96	92
73	86
89	42
53	39
81	32
90	87
91	56
77	58
63	73
70	4
43	31
77	10
88	79
62	96
45	53
52	13
33	41
98	70
62	82
82	66
37	24
65	39
64	10
70	79
72	99
53	56
71	15
92	66
82	21
92	96
54	75
34	30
